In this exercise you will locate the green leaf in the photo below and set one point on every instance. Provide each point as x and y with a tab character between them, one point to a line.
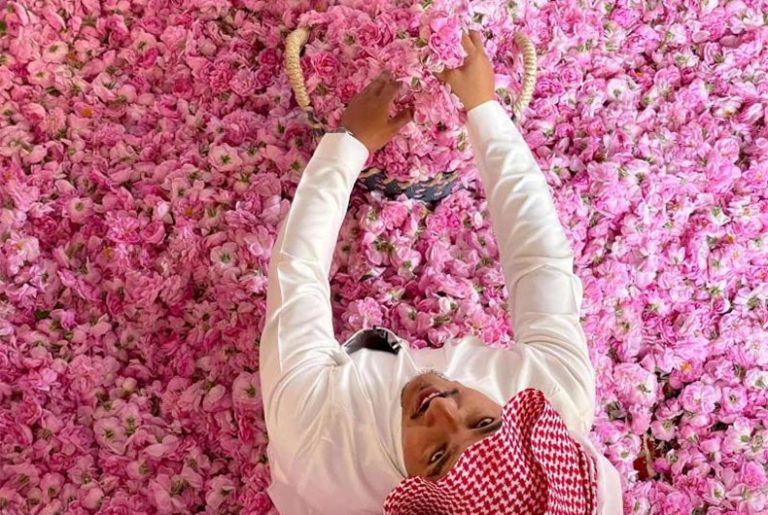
40	314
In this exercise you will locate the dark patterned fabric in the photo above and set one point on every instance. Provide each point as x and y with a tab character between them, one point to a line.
430	191
378	339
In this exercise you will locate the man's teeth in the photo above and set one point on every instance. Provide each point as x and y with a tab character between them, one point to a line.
425	401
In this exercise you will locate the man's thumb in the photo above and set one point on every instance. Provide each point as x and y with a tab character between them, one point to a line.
442	76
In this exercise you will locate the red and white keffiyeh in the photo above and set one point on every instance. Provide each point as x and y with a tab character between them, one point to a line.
531	465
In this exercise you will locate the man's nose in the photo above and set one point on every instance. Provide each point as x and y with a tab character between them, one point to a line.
445	412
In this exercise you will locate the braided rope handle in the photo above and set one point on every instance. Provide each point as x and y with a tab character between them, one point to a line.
298	38
529	73
293	45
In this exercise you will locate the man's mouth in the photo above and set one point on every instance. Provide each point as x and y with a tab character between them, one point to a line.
424	398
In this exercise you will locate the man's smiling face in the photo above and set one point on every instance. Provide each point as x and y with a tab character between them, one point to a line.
440	419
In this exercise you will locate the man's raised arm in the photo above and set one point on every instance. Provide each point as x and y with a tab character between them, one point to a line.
298	346
298	337
536	258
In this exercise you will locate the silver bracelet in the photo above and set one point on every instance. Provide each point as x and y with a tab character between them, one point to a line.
343	130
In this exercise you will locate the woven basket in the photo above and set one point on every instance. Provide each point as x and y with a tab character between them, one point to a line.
373	178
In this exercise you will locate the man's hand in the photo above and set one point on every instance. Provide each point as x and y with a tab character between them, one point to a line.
367	115
474	82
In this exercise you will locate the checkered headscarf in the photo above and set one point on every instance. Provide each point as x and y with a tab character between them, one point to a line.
530	465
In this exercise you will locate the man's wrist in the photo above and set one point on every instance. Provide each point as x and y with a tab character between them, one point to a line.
478	102
343	130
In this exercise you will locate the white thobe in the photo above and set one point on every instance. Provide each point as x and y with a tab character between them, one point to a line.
333	419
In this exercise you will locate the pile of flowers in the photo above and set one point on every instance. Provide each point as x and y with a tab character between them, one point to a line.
149	150
351	44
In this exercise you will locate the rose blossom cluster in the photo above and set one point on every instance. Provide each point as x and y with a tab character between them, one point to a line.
351	43
149	150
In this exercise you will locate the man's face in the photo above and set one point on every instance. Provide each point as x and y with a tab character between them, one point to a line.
441	418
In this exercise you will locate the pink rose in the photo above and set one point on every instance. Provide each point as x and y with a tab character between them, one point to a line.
549	86
634	384
173	37
244	82
699	397
110	433
734	399
246	392
148	58
664	430
753	474
214	399
28	411
153	233
261	504
387	28
445	42
79	209
217	491
721	305
571	75
181	84
261	476
625	17
6	78
268	57
265	76
393	214
367	34
676	502
225	158
220	76
92	497
347	91
326	65
364	313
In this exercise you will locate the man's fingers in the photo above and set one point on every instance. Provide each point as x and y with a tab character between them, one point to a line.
477	39
377	85
400	119
390	89
467	43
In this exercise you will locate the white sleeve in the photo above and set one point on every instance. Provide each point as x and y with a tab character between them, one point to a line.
536	258
298	349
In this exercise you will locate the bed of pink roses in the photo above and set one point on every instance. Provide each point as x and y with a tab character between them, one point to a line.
351	42
148	150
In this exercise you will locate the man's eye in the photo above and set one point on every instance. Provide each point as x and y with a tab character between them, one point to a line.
436	456
487	421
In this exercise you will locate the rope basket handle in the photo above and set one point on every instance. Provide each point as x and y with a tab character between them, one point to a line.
298	38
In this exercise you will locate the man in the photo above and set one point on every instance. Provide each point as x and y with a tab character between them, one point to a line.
354	426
